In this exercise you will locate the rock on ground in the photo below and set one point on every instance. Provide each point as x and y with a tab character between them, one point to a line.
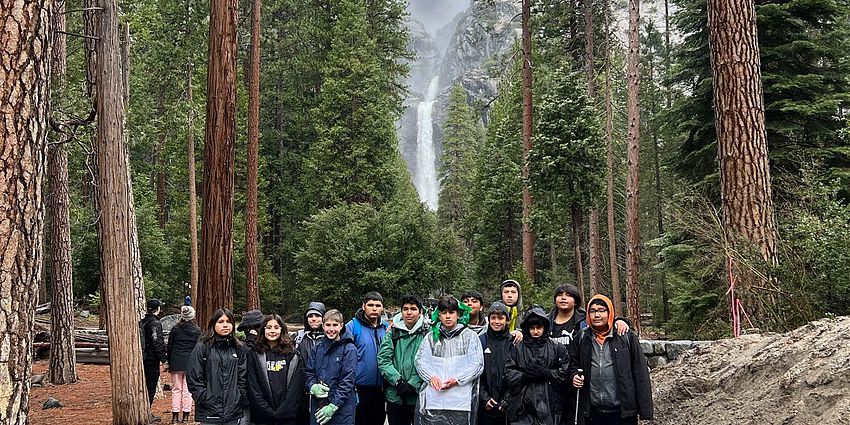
802	377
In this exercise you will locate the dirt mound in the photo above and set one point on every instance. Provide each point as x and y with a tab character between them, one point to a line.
802	377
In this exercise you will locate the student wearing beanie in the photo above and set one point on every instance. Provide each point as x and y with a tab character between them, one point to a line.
182	339
496	343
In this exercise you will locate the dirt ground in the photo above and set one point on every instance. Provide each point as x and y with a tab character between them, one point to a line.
801	377
87	402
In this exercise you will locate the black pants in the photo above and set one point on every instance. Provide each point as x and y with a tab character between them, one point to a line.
491	420
600	418
151	378
398	414
370	406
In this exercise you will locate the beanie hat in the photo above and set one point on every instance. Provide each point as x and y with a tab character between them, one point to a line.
251	319
187	313
499	307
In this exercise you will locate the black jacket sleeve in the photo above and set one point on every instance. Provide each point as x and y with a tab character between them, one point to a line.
559	372
196	374
513	373
241	379
640	372
158	340
256	385
574	353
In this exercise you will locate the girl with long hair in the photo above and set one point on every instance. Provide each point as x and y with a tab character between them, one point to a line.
275	375
216	373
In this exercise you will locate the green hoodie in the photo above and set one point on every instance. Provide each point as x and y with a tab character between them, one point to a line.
397	355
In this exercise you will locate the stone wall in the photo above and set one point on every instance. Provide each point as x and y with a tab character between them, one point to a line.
660	353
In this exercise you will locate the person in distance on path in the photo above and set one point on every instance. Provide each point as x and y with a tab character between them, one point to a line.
154	351
181	341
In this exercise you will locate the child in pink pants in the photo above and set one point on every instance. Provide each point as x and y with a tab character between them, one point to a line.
181	342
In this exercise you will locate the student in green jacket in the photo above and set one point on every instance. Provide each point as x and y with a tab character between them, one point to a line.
396	361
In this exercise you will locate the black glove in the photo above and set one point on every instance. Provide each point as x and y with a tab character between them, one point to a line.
403	388
535	370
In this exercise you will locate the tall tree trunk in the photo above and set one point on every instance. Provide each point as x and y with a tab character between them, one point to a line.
747	205
116	228
609	136
63	364
527	233
252	282
193	197
215	283
24	105
590	71
633	160
668	103
579	265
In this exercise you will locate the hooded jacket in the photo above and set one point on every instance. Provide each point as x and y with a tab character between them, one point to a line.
483	324
633	388
264	408
396	358
536	373
305	339
216	378
367	339
513	311
334	363
181	341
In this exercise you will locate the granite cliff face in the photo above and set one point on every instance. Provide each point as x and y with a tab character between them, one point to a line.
472	50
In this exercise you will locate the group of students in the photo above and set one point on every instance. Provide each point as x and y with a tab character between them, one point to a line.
459	366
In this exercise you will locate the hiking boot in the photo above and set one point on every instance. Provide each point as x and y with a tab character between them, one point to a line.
175	417
185	417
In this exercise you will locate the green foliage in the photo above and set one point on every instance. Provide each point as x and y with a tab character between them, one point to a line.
497	194
567	163
462	138
352	158
351	249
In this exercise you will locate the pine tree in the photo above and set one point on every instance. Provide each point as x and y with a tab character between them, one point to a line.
354	156
567	162
461	141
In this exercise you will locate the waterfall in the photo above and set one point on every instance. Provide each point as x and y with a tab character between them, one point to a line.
425	180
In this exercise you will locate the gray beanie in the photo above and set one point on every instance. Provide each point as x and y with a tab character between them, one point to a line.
187	313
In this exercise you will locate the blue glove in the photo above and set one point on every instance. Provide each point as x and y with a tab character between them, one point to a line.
325	414
319	390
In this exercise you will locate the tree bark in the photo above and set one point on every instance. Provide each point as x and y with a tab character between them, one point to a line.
747	204
24	104
63	365
593	223
193	197
252	281
609	136
527	233
215	283
116	228
633	160
579	262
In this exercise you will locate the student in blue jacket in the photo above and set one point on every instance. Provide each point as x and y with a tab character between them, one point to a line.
367	329
330	374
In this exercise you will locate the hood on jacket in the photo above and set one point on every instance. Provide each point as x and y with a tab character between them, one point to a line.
344	337
535	314
608	303
361	317
398	323
314	307
511	282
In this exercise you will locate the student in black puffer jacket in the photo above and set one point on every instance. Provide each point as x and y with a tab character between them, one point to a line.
216	373
275	375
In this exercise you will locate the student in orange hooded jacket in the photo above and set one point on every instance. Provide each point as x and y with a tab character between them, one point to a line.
614	385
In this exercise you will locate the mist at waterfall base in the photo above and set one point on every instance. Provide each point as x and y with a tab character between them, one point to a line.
435	16
425	179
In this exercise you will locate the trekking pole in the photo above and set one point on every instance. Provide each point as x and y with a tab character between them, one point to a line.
578	395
